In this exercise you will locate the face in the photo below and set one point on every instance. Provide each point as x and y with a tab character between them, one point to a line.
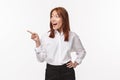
56	21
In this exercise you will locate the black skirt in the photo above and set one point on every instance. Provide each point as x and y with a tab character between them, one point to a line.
61	72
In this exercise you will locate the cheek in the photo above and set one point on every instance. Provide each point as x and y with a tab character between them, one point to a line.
60	22
51	20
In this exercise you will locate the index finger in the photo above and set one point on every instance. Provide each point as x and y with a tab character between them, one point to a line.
30	32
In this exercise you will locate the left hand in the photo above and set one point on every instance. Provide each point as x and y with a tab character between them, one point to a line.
72	65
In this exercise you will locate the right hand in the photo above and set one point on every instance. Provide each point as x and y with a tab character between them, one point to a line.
35	37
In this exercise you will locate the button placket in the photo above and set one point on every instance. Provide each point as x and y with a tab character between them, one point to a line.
59	48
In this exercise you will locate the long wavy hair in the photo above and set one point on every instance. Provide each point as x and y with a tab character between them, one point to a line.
65	22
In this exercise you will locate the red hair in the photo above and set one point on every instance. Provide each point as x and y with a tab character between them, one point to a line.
65	22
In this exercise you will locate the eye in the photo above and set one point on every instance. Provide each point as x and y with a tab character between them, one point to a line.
54	16
57	16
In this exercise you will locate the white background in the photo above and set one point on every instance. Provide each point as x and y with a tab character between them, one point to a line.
97	22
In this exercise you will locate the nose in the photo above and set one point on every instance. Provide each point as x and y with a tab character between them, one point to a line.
52	19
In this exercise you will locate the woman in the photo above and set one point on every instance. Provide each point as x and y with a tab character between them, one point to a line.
55	47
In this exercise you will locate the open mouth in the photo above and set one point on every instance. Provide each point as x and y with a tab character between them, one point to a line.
54	24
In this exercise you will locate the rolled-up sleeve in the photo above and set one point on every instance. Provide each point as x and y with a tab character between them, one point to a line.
78	48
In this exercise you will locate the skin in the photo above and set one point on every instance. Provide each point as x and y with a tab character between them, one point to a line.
35	37
56	21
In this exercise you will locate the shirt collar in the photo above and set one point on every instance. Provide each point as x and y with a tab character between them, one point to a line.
58	33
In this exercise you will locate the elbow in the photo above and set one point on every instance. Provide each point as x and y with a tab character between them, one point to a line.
81	54
40	60
84	53
40	57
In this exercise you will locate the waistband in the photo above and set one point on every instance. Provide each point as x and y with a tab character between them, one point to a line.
57	66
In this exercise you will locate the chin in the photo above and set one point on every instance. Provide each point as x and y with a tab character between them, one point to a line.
55	28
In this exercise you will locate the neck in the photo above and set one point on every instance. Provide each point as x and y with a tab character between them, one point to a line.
60	30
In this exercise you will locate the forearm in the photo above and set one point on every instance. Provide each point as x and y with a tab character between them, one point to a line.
80	56
40	54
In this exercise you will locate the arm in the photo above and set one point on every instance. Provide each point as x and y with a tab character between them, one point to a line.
80	52
79	49
40	51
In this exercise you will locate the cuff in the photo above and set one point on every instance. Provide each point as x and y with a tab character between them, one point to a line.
38	49
79	61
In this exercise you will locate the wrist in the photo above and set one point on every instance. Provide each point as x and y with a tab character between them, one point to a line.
75	63
37	43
